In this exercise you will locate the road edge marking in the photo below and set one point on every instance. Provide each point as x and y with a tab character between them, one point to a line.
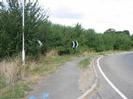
109	82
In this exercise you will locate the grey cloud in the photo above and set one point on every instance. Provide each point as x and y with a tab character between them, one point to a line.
67	13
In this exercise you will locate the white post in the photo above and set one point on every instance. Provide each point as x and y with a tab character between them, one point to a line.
23	28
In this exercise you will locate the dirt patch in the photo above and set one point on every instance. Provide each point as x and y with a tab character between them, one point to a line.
87	78
52	53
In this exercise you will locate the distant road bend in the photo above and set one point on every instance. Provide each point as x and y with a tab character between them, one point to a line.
118	70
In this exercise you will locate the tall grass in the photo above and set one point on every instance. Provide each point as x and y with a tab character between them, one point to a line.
11	70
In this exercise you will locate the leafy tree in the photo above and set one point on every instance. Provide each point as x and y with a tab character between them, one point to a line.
123	42
109	40
11	26
91	38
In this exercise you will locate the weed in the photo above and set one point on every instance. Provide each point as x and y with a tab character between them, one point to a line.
84	63
15	92
2	81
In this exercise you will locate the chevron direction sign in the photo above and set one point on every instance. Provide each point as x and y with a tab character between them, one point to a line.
75	44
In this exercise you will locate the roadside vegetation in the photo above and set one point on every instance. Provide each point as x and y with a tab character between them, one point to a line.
16	83
84	63
56	39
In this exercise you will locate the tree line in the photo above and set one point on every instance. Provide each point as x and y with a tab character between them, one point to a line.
52	36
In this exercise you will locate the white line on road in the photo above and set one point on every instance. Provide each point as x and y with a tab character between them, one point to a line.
110	83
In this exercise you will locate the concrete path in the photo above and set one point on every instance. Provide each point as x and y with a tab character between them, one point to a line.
64	84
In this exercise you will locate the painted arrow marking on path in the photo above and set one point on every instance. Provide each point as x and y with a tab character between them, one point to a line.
44	96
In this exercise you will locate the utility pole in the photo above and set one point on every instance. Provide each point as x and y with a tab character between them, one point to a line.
23	32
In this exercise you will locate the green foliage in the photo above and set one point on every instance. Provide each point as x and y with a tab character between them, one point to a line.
100	46
16	92
84	63
53	36
11	28
117	40
59	37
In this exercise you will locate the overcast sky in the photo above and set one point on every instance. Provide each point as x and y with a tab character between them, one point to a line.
97	14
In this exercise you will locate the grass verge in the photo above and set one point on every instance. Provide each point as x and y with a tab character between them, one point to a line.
17	91
45	65
84	63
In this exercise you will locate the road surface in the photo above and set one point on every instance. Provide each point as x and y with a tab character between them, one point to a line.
119	71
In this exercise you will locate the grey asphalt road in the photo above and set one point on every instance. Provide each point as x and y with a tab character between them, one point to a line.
64	84
119	70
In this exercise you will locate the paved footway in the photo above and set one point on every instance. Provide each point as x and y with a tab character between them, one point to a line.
64	84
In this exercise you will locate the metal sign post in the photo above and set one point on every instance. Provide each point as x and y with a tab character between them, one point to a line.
23	28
